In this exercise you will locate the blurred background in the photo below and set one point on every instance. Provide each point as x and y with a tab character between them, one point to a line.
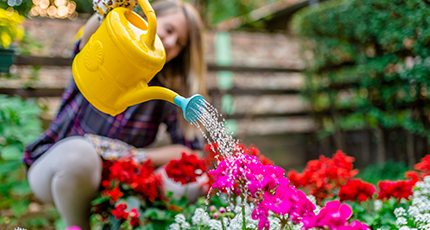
296	78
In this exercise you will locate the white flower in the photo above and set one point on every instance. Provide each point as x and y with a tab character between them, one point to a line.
401	221
180	218
398	212
200	217
413	211
405	228
215	224
185	225
377	205
18	228
175	226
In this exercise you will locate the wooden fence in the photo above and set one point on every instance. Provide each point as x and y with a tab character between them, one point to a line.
275	132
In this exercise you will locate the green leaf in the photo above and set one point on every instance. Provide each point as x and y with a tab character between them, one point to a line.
11	153
388	218
155	213
60	224
99	200
35	221
20	207
21	188
8	166
133	202
368	219
115	223
169	193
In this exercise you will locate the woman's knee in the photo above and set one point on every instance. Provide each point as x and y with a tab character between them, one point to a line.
80	157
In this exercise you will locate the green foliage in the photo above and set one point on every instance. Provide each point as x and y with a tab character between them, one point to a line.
389	170
368	61
381	217
22	6
217	11
156	214
19	125
84	6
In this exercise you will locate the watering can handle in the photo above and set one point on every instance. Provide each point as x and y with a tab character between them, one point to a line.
149	38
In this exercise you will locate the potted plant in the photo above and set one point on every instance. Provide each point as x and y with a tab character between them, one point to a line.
11	30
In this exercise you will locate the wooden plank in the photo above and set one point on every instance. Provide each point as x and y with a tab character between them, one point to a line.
42	61
254	92
33	92
61	61
214	67
266	115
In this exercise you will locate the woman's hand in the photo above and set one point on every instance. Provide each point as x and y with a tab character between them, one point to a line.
90	28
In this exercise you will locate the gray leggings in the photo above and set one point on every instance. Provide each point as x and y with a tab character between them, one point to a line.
68	175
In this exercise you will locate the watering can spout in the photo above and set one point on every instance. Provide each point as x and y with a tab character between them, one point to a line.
192	107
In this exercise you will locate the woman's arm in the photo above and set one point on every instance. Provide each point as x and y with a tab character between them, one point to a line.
90	28
162	155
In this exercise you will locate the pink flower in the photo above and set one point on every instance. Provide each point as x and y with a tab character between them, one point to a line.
73	228
260	212
237	170
224	176
357	225
333	216
284	200
274	176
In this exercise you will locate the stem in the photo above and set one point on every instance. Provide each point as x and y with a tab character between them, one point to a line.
185	191
222	223
284	223
243	217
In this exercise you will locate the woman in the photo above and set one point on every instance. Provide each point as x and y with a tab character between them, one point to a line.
65	168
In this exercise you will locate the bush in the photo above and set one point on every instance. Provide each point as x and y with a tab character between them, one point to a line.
20	124
389	170
368	64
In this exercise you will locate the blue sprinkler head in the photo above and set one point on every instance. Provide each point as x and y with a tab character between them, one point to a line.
191	106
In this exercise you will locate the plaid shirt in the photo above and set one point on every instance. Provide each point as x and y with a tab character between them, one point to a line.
137	125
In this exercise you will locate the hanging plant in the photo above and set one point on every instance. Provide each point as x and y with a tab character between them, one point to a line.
11	30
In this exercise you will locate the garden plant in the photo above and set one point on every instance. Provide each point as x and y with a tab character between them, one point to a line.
20	124
11	28
367	68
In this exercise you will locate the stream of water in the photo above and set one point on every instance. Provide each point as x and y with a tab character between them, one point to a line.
214	124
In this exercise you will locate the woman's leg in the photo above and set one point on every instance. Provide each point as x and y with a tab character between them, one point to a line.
68	175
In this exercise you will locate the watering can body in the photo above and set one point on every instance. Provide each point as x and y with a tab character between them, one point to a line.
118	61
114	68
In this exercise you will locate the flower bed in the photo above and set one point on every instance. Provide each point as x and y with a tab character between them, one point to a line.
246	191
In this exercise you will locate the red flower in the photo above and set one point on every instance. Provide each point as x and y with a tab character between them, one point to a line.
119	211
134	220
186	169
414	176
146	182
397	189
422	169
322	176
356	190
147	186
123	170
115	194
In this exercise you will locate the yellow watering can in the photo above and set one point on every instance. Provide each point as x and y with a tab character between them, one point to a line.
113	69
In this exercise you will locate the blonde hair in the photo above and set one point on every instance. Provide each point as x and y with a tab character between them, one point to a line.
186	73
